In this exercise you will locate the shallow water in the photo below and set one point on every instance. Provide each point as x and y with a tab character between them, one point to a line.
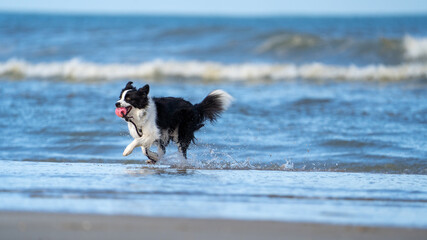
341	198
348	127
303	141
285	151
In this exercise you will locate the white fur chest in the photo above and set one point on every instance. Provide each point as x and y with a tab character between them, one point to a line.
133	131
144	123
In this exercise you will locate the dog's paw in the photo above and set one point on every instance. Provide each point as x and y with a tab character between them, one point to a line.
149	161
127	151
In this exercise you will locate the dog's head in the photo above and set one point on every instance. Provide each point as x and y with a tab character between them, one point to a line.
131	98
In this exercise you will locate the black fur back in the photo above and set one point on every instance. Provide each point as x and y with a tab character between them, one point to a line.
169	111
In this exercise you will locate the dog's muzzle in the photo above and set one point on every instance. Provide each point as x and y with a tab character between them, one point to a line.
123	111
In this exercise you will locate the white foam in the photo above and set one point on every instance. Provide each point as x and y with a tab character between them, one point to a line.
415	48
81	71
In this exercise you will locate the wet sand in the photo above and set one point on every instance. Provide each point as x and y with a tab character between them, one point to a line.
29	225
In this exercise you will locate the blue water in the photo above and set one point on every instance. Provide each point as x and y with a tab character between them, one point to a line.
133	39
328	123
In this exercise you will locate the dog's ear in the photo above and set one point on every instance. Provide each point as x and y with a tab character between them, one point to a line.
128	86
144	90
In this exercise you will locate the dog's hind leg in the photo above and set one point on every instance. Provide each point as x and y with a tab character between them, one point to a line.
185	135
183	149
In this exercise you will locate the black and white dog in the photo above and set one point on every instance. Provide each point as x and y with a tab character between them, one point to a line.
157	121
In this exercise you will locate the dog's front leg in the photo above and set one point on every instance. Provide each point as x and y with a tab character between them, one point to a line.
135	143
152	157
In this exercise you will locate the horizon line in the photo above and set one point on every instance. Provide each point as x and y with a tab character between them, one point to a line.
206	14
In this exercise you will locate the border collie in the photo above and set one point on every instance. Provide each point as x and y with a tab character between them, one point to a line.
157	121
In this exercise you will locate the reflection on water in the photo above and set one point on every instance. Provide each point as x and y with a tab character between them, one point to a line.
158	170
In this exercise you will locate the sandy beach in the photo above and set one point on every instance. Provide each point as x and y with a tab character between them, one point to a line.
30	225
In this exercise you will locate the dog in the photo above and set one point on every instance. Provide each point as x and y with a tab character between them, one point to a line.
157	121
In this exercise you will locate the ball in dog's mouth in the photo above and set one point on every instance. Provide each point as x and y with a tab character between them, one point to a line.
122	111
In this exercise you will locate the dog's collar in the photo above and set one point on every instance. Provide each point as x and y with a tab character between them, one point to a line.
138	130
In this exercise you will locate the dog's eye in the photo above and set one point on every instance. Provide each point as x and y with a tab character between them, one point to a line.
127	99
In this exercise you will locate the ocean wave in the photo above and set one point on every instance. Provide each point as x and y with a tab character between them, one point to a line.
79	70
284	42
394	49
415	48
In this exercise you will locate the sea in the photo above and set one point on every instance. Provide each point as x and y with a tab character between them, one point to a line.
328	123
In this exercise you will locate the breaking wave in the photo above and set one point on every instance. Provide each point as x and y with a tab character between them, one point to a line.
407	48
79	70
415	48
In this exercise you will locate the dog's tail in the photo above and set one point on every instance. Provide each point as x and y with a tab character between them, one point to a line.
213	105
